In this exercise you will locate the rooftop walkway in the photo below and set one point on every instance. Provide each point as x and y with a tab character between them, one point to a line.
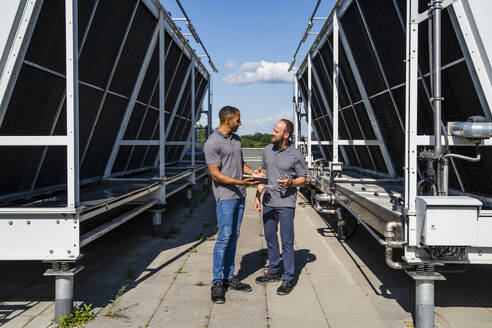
167	280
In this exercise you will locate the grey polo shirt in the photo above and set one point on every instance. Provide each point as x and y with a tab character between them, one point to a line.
226	151
279	163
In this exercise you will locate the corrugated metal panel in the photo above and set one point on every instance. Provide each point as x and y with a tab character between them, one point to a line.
37	104
386	27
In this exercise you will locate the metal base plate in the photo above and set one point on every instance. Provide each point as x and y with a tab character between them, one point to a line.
71	272
425	276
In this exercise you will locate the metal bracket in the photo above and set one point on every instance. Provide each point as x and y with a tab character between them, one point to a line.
425	14
425	276
336	166
70	272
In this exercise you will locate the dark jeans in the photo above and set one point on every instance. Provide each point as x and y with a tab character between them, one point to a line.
229	217
271	217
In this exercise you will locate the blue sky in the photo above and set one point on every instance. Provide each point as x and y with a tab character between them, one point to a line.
251	43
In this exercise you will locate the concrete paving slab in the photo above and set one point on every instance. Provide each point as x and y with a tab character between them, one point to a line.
295	322
339	284
237	323
174	313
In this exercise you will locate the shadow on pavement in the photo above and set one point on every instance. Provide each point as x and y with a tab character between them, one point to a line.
113	261
254	261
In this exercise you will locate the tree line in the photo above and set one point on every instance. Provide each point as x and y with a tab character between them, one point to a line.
255	140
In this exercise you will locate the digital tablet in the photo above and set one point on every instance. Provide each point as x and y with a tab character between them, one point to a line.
256	178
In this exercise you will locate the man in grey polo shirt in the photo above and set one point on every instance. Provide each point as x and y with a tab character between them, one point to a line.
224	158
285	170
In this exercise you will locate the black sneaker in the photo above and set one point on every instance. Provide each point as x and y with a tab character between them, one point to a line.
285	288
218	293
268	277
235	284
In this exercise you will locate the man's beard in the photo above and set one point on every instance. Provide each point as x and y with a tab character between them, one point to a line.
277	142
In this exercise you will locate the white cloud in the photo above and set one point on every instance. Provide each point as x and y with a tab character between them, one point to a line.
269	120
260	72
229	64
251	124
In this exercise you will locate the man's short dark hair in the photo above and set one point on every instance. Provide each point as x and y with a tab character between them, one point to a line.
227	111
289	126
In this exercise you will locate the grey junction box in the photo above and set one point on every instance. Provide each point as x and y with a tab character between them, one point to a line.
447	220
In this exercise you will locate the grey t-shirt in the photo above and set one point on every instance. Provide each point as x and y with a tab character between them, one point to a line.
226	151
279	163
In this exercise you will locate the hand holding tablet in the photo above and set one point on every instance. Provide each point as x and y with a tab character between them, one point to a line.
256	178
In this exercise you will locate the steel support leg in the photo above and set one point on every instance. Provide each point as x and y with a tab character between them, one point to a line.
424	303
189	196
63	287
424	295
63	296
157	221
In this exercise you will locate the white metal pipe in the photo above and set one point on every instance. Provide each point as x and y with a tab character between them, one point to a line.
309	114
411	102
436	65
472	130
34	140
193	114
72	89
296	110
335	85
209	107
162	103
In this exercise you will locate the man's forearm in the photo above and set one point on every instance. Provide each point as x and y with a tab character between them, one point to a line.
224	178
298	182
247	169
259	190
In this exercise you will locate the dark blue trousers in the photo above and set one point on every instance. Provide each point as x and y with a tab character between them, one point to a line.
272	216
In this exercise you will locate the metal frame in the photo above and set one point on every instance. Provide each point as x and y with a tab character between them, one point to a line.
337	29
64	97
17	52
296	110
411	90
110	80
175	34
162	104
71	140
309	114
192	130
69	217
178	100
331	116
367	104
72	90
133	98
318	133
472	48
340	75
376	202
335	32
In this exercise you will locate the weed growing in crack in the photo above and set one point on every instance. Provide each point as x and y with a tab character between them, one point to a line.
181	271
78	318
